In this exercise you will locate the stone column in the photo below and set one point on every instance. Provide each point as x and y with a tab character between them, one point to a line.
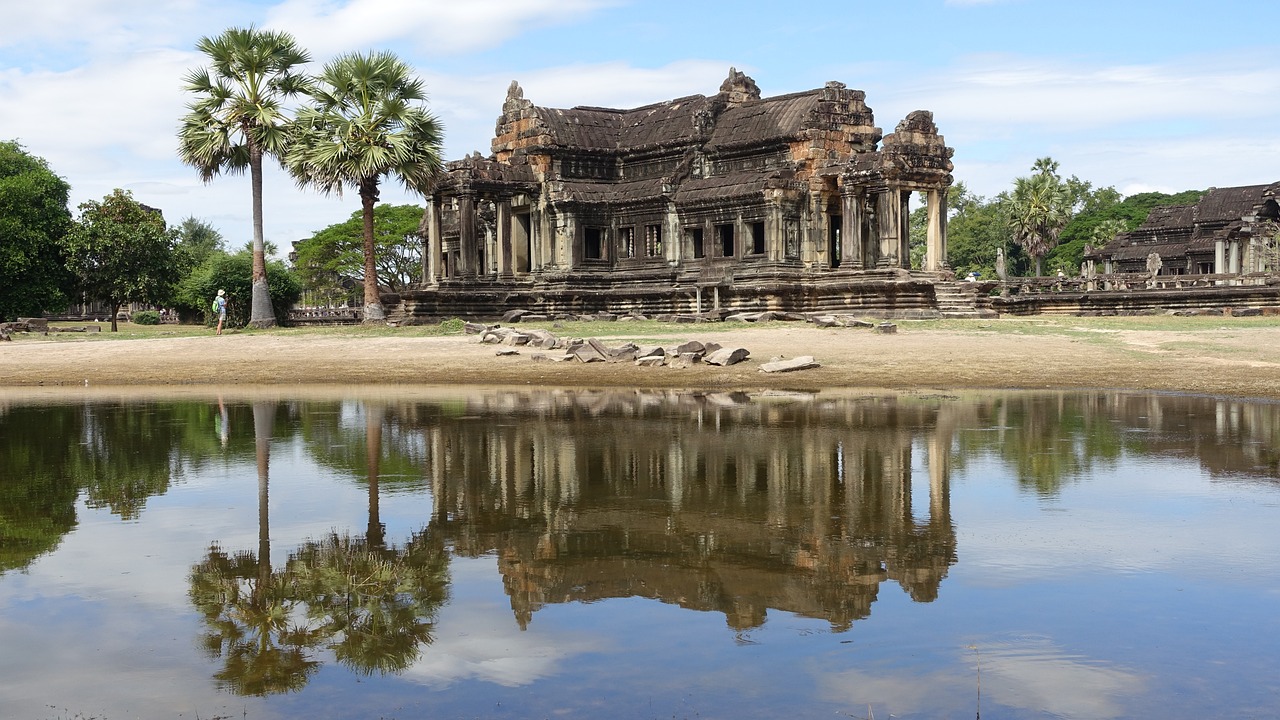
502	222
433	257
467	235
1219	256
888	208
851	235
935	259
904	228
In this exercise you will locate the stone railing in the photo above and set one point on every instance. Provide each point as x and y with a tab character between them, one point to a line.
1131	282
325	316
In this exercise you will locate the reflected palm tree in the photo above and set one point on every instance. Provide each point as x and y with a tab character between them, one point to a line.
379	602
248	608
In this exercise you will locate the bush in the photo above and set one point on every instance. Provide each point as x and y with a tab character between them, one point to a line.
234	273
147	317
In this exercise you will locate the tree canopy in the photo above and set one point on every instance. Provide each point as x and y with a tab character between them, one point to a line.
33	220
331	262
366	121
120	251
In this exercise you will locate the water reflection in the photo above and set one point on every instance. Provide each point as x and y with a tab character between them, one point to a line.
744	506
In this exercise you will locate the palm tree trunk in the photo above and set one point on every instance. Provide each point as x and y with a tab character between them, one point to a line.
264	416
373	310
261	314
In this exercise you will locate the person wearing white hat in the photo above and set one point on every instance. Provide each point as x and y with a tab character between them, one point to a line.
220	307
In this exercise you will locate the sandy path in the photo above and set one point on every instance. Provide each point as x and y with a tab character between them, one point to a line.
1227	361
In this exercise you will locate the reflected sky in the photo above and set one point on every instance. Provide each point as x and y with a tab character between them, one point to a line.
673	554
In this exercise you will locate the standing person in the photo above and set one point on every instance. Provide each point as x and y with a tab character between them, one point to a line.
220	307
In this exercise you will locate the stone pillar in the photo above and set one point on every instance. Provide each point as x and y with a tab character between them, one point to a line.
433	257
467	235
851	235
1219	256
502	229
888	208
904	228
935	259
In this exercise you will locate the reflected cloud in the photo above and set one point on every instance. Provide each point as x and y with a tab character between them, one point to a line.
1030	673
478	640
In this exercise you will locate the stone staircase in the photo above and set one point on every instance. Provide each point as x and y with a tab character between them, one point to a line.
959	300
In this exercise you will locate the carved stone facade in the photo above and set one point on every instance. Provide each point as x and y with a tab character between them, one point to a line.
1229	231
794	202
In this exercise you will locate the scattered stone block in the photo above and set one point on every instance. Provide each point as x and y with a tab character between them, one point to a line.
683	360
886	328
651	361
727	356
587	353
692	346
804	362
507	352
514	316
538	357
471	328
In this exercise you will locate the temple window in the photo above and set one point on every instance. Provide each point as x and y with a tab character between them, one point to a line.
626	242
593	245
724	234
653	240
695	242
757	238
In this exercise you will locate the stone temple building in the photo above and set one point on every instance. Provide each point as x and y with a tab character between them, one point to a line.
731	201
1229	231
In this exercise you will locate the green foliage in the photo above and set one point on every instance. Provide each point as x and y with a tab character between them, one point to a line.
33	220
331	263
234	273
146	317
197	240
120	252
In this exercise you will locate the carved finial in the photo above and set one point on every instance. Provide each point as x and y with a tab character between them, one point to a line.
739	87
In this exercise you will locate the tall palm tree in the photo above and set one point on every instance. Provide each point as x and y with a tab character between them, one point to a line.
366	121
238	116
1038	211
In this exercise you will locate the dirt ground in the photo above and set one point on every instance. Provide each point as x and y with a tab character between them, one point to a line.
1229	357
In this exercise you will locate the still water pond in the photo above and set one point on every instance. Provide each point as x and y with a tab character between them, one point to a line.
395	554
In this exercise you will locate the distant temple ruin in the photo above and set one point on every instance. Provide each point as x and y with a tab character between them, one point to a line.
703	203
1229	231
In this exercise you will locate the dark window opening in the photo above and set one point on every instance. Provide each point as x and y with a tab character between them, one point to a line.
593	244
724	234
757	238
834	250
695	239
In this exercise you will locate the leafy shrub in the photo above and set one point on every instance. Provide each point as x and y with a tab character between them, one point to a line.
146	317
234	273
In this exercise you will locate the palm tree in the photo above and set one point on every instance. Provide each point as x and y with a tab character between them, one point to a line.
366	122
238	117
1039	209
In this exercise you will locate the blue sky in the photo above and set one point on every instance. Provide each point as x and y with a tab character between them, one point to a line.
1140	95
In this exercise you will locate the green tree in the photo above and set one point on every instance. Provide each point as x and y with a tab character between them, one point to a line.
1039	208
33	220
332	260
238	117
234	273
197	240
120	251
366	121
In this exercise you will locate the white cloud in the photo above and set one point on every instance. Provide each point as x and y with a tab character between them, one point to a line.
434	29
